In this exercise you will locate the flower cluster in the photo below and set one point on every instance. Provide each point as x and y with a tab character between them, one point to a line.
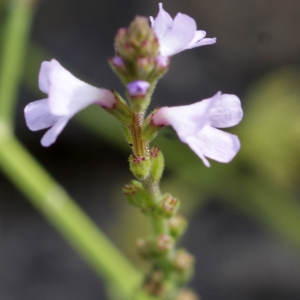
195	124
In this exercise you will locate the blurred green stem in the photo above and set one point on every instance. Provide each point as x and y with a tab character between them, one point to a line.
15	40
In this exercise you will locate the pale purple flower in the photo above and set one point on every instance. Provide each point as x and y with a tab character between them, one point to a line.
118	61
138	88
196	125
67	95
179	34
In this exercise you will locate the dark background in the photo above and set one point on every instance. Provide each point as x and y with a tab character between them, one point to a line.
237	259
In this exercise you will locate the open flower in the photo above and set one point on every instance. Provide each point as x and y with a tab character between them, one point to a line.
67	95
179	34
196	125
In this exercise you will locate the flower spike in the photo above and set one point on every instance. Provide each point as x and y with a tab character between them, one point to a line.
179	34
67	95
196	125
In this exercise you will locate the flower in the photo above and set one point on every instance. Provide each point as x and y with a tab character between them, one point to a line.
179	34
138	88
196	125
67	95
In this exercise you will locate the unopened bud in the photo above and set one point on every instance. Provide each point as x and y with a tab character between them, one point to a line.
187	294
137	41
145	248
183	261
177	225
164	243
118	61
138	88
136	195
168	206
155	284
139	166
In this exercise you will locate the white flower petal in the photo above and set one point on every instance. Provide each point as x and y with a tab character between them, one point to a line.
44	80
68	95
214	144
51	135
162	22
38	115
199	40
187	119
226	112
178	36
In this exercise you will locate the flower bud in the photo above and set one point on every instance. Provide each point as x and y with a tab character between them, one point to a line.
156	285
138	40
187	294
136	195
164	243
138	88
183	261
158	163
177	225
168	206
145	247
139	166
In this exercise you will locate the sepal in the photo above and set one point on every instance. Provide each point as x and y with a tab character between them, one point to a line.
136	195
139	166
158	163
120	110
149	129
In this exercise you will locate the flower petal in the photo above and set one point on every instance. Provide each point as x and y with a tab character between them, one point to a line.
38	115
178	36
51	135
226	112
44	79
187	119
162	22
68	95
199	40
215	144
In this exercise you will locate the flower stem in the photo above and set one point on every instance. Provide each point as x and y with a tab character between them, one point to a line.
15	41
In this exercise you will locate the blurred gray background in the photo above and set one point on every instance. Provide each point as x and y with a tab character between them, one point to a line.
237	258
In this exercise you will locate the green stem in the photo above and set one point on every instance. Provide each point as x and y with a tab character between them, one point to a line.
59	209
12	59
152	188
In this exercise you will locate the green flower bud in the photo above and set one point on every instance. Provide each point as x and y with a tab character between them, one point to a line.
187	294
138	40
137	54
168	206
183	261
139	166
163	243
156	285
145	247
177	225
136	195
149	130
158	163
